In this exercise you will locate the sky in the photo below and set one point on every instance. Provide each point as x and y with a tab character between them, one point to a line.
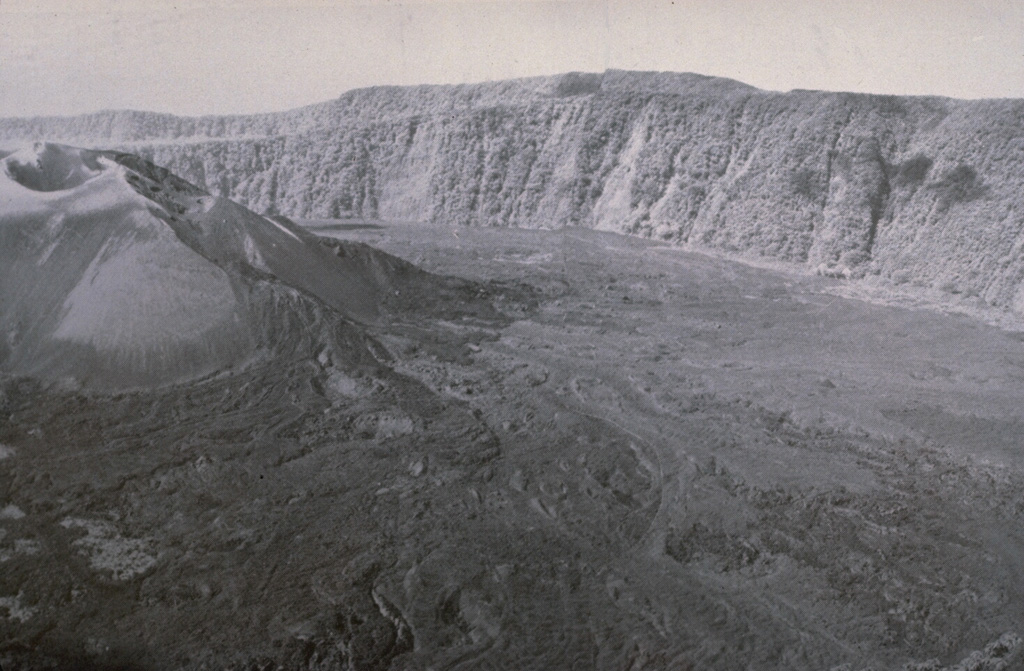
195	57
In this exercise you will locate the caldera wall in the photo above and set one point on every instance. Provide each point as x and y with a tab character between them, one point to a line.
920	190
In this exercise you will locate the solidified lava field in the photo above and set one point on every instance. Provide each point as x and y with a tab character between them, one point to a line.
596	452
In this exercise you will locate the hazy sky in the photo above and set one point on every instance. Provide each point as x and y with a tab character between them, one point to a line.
221	56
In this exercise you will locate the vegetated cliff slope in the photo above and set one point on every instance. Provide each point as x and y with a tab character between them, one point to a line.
916	189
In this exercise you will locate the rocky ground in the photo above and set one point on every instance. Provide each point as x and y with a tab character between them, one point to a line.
603	453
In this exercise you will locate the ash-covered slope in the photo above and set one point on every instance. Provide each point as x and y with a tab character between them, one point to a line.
116	273
920	190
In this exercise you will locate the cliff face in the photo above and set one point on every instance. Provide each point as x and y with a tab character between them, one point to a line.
921	190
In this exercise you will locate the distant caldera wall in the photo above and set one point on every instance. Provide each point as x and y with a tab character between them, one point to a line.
923	191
